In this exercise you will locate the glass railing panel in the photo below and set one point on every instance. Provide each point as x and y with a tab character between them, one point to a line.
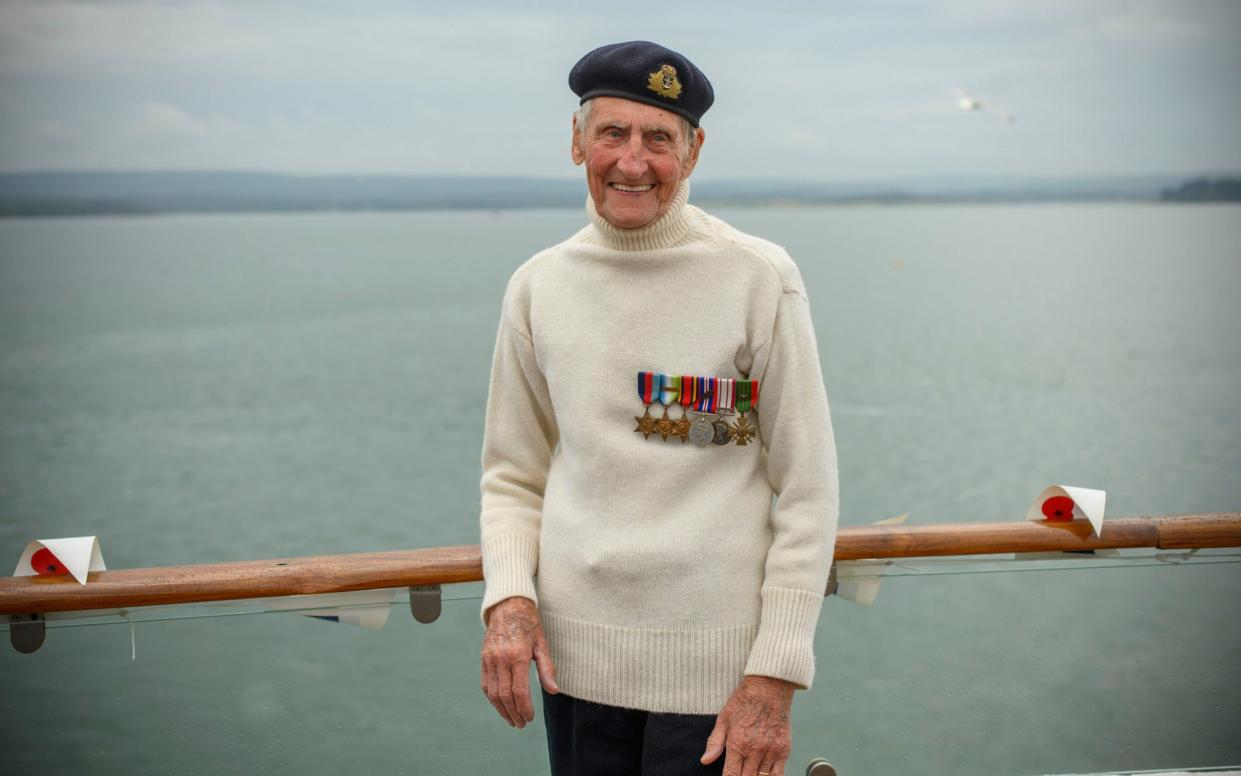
219	689
1085	666
989	665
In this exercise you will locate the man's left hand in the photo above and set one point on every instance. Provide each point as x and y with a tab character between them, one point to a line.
753	728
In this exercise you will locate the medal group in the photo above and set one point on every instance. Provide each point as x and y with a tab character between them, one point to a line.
712	401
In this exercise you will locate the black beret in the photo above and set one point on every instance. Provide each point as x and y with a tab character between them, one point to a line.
646	72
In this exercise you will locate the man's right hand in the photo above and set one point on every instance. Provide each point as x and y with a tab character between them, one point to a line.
514	636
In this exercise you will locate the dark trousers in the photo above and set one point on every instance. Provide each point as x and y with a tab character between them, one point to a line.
593	739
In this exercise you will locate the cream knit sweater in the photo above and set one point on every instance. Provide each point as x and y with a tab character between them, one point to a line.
665	570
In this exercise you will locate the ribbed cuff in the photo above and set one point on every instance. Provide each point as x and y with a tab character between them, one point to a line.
509	565
784	647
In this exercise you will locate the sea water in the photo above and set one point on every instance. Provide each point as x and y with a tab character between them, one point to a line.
210	388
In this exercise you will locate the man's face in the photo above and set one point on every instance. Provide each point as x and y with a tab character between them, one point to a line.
635	156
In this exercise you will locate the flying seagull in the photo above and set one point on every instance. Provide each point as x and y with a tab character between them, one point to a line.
966	102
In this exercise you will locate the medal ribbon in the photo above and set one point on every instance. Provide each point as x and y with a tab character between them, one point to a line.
689	389
670	388
647	386
747	395
725	393
706	395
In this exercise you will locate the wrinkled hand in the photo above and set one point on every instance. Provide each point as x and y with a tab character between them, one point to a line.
753	728
514	636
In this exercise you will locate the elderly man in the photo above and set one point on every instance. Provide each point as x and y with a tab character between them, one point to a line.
665	578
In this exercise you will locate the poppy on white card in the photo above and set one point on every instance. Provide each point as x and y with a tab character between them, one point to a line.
76	555
1066	502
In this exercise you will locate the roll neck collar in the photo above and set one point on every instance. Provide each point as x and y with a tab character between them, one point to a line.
664	232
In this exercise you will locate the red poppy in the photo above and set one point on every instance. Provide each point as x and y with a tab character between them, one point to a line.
1058	508
46	564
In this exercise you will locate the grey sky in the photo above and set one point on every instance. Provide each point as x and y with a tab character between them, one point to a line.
822	90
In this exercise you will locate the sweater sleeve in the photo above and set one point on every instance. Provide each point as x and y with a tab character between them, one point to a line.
796	431
519	437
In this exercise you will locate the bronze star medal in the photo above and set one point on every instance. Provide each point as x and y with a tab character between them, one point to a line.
649	385
666	426
669	393
646	424
682	427
686	396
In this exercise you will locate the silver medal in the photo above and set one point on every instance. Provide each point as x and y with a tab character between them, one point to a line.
701	432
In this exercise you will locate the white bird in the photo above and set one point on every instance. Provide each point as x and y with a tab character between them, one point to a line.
967	102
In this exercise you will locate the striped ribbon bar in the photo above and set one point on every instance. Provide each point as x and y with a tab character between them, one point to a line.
725	394
670	388
747	395
648	386
706	395
689	390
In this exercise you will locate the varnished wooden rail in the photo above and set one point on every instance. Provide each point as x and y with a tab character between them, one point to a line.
1220	529
442	565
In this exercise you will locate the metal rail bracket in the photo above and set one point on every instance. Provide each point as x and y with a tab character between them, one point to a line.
426	602
820	767
27	632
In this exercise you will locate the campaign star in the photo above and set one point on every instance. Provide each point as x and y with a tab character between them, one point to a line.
666	426
743	432
646	424
682	428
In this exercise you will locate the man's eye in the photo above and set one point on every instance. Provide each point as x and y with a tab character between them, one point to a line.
614	133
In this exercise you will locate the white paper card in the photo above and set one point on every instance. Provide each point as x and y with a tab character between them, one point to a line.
367	609
78	555
1087	504
858	581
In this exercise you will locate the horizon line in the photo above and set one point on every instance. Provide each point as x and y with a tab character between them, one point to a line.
576	178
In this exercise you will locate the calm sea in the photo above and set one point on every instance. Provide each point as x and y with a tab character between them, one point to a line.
212	388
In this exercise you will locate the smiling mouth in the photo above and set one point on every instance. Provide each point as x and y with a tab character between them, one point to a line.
632	189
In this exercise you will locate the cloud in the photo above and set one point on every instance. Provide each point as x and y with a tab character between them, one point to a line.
853	88
268	41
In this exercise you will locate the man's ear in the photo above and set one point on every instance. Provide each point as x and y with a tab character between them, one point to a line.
692	160
576	150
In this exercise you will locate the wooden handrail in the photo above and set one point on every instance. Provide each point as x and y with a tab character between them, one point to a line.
443	565
1221	529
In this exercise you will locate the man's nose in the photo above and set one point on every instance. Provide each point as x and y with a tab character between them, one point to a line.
633	161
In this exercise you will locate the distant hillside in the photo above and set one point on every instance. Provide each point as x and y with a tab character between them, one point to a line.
1205	190
173	192
97	193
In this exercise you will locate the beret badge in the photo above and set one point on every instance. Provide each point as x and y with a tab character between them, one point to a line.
647	72
664	82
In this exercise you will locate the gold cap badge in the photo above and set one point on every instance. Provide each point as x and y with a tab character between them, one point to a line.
664	82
